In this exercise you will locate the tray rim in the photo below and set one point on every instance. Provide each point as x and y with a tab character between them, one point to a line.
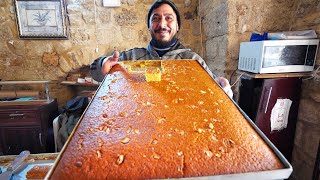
283	173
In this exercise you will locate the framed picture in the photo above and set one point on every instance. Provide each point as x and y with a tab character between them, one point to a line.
41	19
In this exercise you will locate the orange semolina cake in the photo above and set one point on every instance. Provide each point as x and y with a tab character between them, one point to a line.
38	172
181	126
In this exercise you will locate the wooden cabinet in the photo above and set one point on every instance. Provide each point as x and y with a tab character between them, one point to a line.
26	127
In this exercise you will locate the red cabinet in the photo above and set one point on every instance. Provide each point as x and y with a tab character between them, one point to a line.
258	98
26	127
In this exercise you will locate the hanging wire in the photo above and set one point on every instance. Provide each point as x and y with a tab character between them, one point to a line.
238	79
230	80
315	75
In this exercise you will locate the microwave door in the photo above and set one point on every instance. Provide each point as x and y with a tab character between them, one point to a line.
311	55
290	58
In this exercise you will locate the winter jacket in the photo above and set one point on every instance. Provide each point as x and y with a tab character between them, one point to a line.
176	52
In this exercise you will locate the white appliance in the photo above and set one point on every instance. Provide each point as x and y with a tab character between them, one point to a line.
278	56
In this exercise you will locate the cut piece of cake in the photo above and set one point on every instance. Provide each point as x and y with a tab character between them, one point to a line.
38	172
139	66
153	74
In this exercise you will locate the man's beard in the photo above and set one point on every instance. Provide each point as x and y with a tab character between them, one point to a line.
162	44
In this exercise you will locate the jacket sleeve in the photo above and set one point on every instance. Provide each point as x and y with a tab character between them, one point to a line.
95	69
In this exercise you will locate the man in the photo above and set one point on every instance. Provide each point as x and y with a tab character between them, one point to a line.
163	23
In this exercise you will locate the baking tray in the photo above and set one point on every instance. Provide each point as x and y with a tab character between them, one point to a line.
283	173
21	172
29	162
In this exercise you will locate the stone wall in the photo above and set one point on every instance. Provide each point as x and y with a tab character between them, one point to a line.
307	139
94	31
226	23
215	29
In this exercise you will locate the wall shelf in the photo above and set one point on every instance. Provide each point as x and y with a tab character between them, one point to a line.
47	100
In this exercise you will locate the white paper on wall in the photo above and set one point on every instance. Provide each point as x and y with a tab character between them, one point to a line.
280	114
111	3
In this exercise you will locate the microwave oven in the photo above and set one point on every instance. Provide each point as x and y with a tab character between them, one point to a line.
278	56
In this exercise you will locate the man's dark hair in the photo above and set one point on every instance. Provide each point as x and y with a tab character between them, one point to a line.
158	3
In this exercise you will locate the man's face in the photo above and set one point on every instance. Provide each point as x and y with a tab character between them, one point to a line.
163	24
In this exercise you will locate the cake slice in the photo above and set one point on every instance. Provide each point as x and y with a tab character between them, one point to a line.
153	74
38	172
138	66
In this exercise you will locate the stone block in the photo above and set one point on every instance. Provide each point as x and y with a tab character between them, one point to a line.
307	138
216	23
76	20
73	60
109	35
260	16
184	36
79	57
128	33
239	16
131	2
18	47
51	59
316	96
64	65
85	55
37	48
126	18
231	65
234	40
282	10
206	6
3	14
73	8
216	48
74	1
309	87
196	31
82	36
54	73
307	7
34	63
3	3
90	6
61	47
302	165
15	73
104	16
309	111
144	36
4	49
98	3
16	61
5	33
88	17
187	3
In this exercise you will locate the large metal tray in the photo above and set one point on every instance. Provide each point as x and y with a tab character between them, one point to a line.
271	174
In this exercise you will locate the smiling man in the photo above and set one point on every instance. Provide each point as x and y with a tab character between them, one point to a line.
163	23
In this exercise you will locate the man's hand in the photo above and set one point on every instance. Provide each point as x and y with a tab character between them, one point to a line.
224	83
111	61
